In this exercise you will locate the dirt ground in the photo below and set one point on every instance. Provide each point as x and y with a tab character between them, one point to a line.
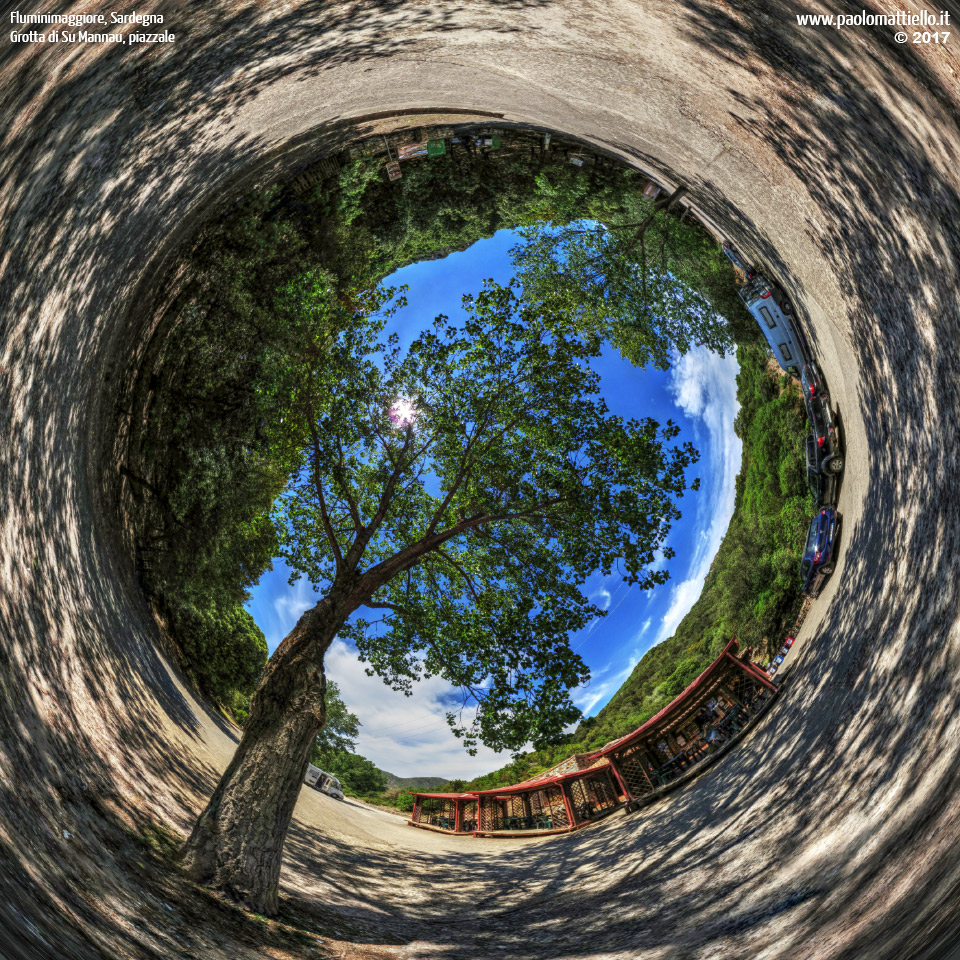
828	156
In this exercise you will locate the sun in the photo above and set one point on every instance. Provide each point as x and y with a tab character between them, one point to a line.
403	413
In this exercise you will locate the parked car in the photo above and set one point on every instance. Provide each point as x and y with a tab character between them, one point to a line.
823	468
769	306
819	553
826	433
813	386
322	781
330	785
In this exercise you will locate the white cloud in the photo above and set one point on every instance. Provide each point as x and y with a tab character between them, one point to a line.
682	598
408	736
704	386
603	684
605	597
287	610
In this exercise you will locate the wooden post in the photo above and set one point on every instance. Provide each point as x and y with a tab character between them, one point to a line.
457	815
567	803
756	673
527	810
612	784
627	795
727	691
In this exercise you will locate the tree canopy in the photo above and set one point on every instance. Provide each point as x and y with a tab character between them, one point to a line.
631	277
476	480
210	450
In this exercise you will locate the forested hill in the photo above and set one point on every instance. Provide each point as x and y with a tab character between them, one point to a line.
413	783
753	588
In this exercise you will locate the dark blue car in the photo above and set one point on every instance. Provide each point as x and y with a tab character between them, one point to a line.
818	555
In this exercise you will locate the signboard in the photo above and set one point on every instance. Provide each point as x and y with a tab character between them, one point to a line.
393	170
410	150
577	161
436	148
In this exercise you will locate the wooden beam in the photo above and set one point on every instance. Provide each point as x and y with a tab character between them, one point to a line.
613	784
623	783
566	802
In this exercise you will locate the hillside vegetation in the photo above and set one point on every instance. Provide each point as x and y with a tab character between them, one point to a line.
413	783
753	588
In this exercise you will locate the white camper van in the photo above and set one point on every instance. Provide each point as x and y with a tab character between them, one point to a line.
324	782
770	307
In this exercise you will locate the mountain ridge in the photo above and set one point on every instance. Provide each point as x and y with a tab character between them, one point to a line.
413	783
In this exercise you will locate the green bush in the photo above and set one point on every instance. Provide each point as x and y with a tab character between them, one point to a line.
225	648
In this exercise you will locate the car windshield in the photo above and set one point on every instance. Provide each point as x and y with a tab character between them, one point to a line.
812	535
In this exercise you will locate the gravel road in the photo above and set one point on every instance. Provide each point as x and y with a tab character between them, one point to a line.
829	156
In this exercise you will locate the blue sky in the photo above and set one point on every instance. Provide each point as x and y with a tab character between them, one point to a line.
408	735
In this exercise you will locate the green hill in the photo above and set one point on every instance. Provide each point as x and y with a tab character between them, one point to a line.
413	783
752	590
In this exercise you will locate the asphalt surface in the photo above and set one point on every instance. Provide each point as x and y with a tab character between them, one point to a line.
829	157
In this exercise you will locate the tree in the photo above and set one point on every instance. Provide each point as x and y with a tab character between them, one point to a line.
623	279
357	774
463	492
340	729
333	747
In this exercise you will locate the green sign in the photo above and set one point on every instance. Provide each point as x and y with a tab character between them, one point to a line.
436	148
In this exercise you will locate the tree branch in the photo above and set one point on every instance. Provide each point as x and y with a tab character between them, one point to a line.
463	573
363	537
351	503
664	205
318	486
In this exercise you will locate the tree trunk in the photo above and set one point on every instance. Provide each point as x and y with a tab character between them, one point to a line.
237	842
